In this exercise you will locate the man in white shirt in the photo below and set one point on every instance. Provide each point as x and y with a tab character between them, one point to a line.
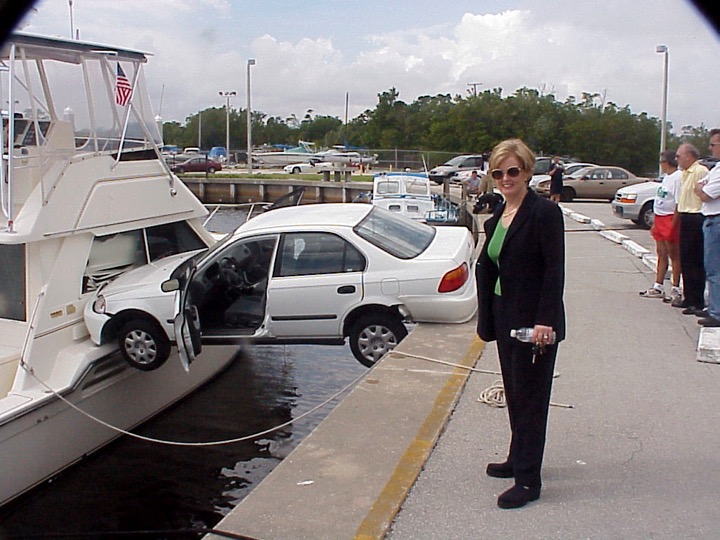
708	189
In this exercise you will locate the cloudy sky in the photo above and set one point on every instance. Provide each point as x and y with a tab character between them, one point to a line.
311	53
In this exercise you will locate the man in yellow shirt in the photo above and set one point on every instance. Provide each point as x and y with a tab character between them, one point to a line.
691	231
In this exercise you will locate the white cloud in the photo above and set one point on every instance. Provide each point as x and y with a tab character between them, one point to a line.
309	55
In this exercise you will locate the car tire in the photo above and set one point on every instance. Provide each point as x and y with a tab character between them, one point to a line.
143	344
374	335
567	194
211	170
646	217
295	170
180	170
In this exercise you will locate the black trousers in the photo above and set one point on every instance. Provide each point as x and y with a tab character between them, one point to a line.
528	384
692	259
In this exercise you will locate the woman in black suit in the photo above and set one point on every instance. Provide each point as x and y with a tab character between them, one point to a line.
521	275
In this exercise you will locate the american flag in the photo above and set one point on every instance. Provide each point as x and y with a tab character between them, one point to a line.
123	89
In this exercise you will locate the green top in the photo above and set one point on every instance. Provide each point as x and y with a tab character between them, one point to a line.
494	248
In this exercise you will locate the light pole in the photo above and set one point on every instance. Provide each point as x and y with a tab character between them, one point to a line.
474	87
663	119
250	62
227	96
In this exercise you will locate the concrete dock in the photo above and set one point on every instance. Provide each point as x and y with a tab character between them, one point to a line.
632	446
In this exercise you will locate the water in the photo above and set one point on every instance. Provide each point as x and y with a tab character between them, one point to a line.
132	485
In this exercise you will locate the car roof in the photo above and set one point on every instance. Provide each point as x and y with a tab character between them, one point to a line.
327	214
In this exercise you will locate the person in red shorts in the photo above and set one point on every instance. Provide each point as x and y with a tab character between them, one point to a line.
666	230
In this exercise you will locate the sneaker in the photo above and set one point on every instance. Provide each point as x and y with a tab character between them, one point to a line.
652	292
674	296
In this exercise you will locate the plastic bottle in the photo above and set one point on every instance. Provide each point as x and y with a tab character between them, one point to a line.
526	335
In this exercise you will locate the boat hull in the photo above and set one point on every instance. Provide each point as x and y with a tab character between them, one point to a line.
43	436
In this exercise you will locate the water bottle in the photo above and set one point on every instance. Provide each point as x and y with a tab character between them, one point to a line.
526	335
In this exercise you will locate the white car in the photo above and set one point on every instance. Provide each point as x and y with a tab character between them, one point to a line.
314	167
636	203
315	273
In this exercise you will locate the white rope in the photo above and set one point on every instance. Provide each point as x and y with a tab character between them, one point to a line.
180	443
493	395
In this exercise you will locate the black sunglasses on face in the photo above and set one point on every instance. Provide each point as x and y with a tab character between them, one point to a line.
512	172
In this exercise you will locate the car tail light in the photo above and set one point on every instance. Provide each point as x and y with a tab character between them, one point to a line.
454	279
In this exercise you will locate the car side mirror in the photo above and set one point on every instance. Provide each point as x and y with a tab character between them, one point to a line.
170	285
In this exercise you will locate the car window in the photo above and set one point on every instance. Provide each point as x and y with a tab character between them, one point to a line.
617	174
400	237
311	253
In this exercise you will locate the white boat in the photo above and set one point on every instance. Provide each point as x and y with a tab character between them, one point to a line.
404	193
341	155
303	153
85	197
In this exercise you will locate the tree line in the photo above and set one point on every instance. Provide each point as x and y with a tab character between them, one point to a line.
587	129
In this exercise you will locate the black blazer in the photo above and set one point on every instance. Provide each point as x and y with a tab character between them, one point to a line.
531	268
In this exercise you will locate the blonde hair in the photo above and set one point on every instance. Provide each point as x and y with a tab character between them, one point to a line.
513	147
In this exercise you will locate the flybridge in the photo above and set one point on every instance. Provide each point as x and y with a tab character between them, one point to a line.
68	98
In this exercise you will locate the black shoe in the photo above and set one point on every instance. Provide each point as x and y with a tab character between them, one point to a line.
500	470
690	310
679	302
518	496
709	322
702	313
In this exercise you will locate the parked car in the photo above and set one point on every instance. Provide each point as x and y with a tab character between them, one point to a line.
317	273
455	165
570	168
197	164
314	167
636	203
598	182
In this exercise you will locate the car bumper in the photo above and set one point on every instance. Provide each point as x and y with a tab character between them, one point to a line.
95	323
445	308
625	211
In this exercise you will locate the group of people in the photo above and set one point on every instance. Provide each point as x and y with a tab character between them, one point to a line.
521	278
687	232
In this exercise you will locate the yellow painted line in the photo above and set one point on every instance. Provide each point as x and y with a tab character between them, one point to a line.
383	512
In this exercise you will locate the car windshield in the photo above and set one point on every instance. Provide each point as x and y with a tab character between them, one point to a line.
454	162
395	234
580	172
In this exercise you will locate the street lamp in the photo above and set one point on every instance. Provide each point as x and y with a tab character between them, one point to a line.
250	62
663	119
227	96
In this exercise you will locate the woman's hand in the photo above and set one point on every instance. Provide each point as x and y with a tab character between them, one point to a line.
542	335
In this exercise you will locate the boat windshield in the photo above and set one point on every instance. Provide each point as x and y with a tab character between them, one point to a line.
99	91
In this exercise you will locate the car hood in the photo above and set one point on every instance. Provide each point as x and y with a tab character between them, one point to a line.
152	274
642	188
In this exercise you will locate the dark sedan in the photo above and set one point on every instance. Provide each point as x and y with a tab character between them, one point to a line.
197	164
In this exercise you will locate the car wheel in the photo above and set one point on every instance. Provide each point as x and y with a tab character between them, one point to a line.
296	170
646	217
143	344
567	194
211	170
374	335
180	170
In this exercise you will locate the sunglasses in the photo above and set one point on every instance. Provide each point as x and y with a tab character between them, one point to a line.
512	172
